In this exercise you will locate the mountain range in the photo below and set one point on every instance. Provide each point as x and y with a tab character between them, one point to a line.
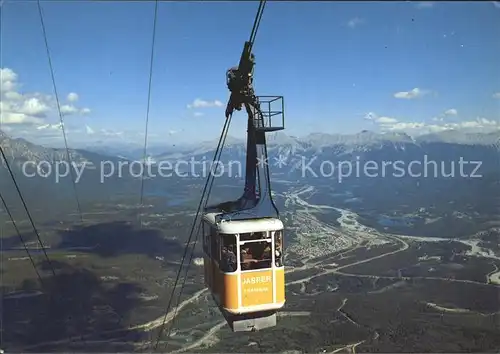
364	139
307	160
444	147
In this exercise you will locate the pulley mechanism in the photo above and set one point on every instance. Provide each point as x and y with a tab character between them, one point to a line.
239	81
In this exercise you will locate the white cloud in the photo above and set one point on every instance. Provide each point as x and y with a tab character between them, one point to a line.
496	95
486	122
404	126
67	109
424	4
414	93
386	120
18	118
13	96
8	79
89	130
198	114
33	107
72	97
70	109
199	103
355	22
107	132
445	114
380	120
46	134
83	135
57	126
29	108
479	124
91	134
370	116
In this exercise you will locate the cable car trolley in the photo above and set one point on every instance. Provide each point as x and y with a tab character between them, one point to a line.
243	239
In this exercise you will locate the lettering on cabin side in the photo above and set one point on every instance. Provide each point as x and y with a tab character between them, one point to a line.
257	289
257	280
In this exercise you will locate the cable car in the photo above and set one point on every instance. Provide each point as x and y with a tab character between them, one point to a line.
243	239
244	269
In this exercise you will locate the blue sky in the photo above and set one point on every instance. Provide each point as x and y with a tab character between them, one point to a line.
342	67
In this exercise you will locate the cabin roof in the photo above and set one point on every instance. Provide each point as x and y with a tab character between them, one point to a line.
242	226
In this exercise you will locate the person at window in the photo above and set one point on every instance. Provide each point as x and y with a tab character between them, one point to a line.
228	259
266	256
277	257
278	240
278	249
246	258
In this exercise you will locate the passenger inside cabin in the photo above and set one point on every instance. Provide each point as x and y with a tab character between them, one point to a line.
266	258
246	258
278	249
266	253
228	263
256	255
277	257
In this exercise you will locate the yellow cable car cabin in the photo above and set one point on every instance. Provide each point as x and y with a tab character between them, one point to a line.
243	261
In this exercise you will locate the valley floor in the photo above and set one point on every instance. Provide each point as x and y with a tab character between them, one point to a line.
350	289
